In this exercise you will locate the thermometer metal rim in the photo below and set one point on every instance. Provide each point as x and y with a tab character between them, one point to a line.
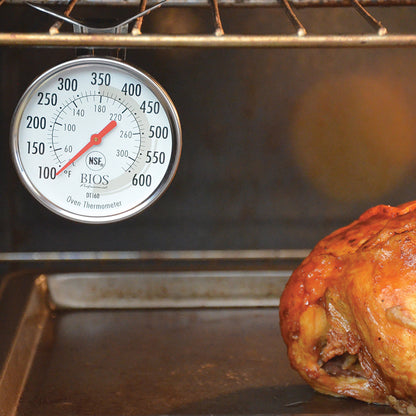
153	86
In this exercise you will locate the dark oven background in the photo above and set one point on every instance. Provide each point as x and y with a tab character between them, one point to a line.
280	146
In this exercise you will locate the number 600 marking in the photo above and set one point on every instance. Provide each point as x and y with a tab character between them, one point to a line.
141	180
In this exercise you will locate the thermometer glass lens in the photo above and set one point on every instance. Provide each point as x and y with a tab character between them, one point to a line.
96	140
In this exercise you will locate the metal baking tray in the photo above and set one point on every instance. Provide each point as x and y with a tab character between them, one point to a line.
151	343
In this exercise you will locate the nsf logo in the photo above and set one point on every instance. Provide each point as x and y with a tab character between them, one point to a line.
95	160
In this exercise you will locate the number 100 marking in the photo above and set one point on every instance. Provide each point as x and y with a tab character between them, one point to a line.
45	172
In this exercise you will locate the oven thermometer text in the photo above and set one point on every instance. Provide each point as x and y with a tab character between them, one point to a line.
96	140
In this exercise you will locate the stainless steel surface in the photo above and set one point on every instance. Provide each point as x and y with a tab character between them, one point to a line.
219	37
174	361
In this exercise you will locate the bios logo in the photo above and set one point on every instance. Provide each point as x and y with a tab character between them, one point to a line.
94	179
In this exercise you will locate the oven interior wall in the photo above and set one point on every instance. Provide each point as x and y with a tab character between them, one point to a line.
280	146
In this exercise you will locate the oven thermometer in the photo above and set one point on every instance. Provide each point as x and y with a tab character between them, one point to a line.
96	140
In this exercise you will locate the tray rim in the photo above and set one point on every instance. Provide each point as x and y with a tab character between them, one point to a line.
22	352
166	289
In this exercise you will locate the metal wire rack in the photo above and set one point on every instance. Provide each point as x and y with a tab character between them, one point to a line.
378	34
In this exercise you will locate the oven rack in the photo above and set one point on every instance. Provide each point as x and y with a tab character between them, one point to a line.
377	35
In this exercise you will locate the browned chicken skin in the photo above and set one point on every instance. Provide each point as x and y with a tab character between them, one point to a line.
348	312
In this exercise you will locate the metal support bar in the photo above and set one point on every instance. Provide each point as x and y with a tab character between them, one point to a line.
376	24
137	28
54	29
219	31
300	29
207	41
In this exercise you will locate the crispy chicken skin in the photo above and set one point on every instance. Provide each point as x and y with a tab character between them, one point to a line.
348	312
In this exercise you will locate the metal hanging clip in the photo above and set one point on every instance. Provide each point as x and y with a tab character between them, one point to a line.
81	27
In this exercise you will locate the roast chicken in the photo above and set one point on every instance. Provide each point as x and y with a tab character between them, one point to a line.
348	312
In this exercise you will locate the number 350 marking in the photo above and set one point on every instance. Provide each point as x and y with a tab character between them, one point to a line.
100	78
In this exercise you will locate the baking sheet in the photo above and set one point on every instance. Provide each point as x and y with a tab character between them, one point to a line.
111	358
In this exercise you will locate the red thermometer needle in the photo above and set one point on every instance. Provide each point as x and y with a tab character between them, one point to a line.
94	140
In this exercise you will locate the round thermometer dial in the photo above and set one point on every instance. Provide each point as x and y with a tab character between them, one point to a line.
96	140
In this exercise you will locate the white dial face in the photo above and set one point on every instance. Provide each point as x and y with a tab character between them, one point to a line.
96	140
